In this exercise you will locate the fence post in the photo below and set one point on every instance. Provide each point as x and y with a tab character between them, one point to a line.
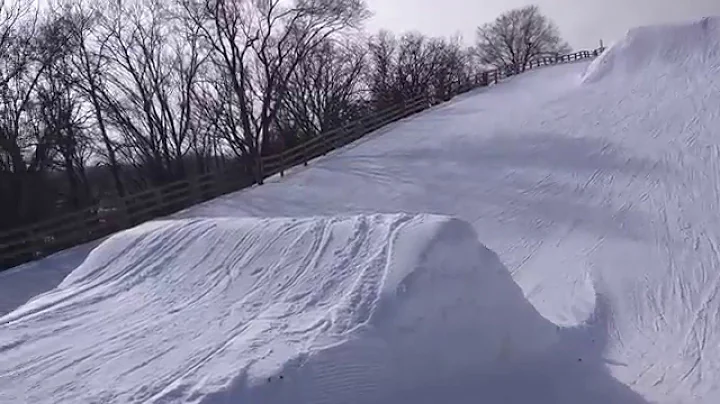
355	131
123	214
282	156
305	152
362	129
196	192
259	169
158	202
325	142
212	183
35	243
282	164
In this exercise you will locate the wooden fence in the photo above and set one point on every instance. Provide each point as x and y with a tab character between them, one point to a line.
41	239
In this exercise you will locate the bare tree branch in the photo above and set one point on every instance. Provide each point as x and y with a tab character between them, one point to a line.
518	37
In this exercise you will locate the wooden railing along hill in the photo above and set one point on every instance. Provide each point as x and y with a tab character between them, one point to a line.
41	239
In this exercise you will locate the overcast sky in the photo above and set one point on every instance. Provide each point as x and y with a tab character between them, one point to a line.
582	22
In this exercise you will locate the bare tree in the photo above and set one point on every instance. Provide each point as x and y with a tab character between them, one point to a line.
27	146
417	61
453	69
413	66
518	37
325	90
151	72
381	75
16	18
60	114
257	46
88	61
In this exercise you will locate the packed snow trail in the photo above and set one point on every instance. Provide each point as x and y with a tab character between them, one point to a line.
586	179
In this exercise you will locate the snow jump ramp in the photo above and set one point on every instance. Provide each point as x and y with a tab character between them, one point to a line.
661	51
360	309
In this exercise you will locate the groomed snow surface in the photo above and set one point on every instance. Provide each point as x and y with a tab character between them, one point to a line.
553	239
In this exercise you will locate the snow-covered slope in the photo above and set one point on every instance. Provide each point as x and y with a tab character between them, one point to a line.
661	50
324	310
597	185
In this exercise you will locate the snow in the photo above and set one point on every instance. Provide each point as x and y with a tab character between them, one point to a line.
218	310
551	239
670	49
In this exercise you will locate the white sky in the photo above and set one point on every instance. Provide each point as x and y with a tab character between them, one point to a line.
582	22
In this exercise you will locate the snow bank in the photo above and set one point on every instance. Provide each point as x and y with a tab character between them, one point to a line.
673	48
354	309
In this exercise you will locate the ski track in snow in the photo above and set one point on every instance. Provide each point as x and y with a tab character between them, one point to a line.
590	181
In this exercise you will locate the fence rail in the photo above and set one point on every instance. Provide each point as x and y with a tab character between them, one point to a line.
41	239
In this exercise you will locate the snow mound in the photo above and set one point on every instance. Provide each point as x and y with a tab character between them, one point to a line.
312	310
675	49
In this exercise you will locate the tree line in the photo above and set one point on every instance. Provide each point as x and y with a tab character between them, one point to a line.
103	98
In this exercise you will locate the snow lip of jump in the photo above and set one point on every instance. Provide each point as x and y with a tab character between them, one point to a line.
668	48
